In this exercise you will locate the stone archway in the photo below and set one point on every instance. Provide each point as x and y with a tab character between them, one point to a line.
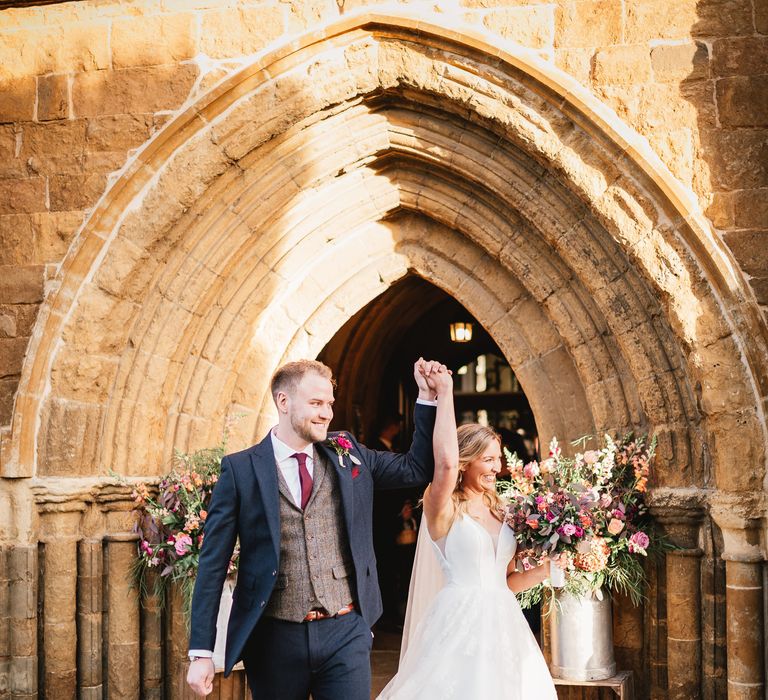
267	213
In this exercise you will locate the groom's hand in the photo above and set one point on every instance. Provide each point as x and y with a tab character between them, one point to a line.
200	676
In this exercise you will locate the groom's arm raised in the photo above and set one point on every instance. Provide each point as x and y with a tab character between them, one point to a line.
415	467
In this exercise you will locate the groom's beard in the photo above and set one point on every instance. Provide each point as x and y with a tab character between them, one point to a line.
307	430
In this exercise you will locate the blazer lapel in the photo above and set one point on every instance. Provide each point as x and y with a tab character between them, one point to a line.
265	469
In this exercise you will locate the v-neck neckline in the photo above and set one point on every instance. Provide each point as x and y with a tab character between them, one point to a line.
494	544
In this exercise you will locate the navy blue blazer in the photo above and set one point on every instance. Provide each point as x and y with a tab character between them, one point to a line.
245	505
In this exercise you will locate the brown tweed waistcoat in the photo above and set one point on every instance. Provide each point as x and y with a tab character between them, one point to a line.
315	561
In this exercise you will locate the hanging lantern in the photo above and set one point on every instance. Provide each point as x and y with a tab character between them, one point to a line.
461	332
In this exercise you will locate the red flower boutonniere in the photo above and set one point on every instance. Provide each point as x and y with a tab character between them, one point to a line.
341	446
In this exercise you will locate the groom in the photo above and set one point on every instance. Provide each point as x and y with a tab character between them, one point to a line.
300	502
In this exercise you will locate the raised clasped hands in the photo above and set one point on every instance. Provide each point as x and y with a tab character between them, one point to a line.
432	378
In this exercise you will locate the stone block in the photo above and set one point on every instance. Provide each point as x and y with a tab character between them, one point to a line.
54	232
750	210
678	62
52	97
22	195
118	132
742	100
55	48
239	31
588	23
531	26
69	438
718	18
739	55
18	239
622	64
750	248
761	17
17	100
12	355
148	40
54	147
21	285
659	19
738	159
68	192
8	388
10	163
720	210
132	90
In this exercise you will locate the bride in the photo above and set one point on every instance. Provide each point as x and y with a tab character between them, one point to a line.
465	636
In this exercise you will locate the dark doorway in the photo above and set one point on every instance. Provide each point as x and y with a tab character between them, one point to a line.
372	358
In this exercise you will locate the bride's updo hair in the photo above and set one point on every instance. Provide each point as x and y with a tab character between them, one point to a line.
473	441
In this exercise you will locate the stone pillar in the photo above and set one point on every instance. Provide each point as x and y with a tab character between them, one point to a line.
58	532
683	575
5	627
744	556
22	575
151	646
89	619
122	624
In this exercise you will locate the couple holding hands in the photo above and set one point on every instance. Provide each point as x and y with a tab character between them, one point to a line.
307	592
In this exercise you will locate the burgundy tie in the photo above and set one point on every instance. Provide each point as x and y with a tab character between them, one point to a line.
305	480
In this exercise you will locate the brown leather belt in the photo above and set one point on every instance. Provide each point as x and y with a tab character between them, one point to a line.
322	615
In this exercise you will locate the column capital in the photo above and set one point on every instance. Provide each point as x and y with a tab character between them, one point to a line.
741	518
681	513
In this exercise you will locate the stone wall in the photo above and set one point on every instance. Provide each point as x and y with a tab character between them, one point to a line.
614	252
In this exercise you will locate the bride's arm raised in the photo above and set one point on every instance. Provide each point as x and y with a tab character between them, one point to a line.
438	504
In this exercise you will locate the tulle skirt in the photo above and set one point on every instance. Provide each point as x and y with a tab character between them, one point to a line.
472	644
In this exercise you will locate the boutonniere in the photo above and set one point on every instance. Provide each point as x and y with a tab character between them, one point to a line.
341	447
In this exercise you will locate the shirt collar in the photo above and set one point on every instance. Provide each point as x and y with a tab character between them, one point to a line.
283	451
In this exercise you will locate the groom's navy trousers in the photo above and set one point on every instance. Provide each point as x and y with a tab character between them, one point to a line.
331	657
245	505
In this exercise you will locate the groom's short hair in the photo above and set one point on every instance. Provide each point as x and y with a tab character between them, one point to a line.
288	376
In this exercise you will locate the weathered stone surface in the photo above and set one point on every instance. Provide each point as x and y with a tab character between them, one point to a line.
680	62
131	90
622	64
239	31
118	132
21	285
743	100
52	97
68	192
24	195
152	40
724	17
55	147
17	239
588	23
54	232
12	355
750	248
531	26
743	55
576	62
750	209
737	159
17	99
658	19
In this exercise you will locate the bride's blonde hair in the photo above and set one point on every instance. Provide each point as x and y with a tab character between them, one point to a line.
473	441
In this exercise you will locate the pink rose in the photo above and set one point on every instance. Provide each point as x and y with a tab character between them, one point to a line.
615	526
531	470
183	541
568	529
638	543
579	531
590	456
343	443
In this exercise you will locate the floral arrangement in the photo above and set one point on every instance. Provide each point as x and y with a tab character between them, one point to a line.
170	524
589	509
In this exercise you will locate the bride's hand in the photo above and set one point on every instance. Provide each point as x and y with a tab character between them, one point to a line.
440	380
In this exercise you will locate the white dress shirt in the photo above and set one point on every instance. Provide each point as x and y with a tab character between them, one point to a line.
289	465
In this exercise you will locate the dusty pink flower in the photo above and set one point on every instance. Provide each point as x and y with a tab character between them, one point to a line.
638	543
182	543
531	470
590	456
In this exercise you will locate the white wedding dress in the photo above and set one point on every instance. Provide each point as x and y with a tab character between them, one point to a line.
472	642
